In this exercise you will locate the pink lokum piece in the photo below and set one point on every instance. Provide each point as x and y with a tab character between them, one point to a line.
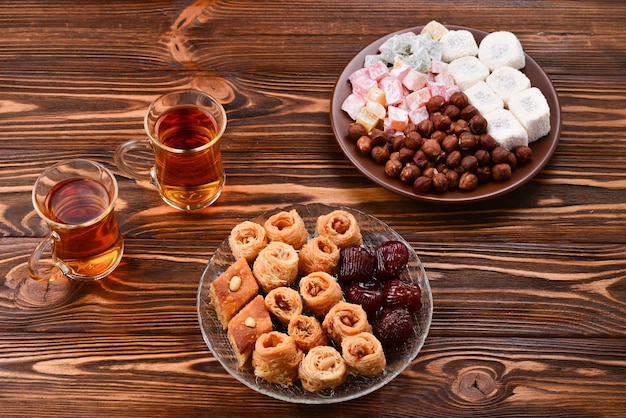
362	84
436	88
398	118
438	67
377	70
393	90
400	70
414	80
418	115
352	105
418	98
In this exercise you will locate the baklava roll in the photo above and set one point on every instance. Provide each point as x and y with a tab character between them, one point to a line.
341	227
322	368
276	266
364	354
307	332
344	320
318	254
276	358
287	227
246	240
320	291
284	303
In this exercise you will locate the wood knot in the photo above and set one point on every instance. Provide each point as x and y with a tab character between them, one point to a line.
476	385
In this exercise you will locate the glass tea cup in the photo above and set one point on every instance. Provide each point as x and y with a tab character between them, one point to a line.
76	198
184	131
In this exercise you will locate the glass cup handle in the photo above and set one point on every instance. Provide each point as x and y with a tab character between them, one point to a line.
44	269
128	168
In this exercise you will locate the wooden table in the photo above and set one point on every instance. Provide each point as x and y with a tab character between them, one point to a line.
529	288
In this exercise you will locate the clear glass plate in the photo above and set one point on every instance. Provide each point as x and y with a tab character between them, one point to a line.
374	232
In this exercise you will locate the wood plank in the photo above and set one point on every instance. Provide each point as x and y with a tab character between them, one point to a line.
514	289
450	377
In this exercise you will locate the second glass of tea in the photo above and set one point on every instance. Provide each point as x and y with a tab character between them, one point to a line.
184	130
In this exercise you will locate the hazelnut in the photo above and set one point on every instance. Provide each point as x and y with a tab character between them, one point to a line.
450	143
487	142
468	112
478	124
460	126
356	130
468	182
453	112
364	144
441	157
442	122
468	141
500	155
440	182
484	174
409	173
523	154
380	153
483	157
501	172
469	163
397	142
414	140
512	160
394	156
454	159
425	128
421	159
453	179
378	137
458	99
410	127
406	154
393	168
435	104
429	172
438	136
431	147
422	184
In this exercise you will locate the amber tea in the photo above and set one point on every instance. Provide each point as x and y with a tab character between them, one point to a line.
184	129
76	198
90	250
188	178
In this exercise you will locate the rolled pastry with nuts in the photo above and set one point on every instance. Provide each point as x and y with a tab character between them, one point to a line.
284	303
344	320
322	368
246	240
341	227
287	227
364	354
276	266
307	332
276	358
318	254
320	291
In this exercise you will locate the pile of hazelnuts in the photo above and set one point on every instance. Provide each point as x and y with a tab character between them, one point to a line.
449	150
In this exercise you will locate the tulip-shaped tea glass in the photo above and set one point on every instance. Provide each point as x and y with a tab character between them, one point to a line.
76	198
184	130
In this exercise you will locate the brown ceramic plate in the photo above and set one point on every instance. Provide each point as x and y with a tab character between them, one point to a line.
542	148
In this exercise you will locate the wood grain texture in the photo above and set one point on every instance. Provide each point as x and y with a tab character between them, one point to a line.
529	288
